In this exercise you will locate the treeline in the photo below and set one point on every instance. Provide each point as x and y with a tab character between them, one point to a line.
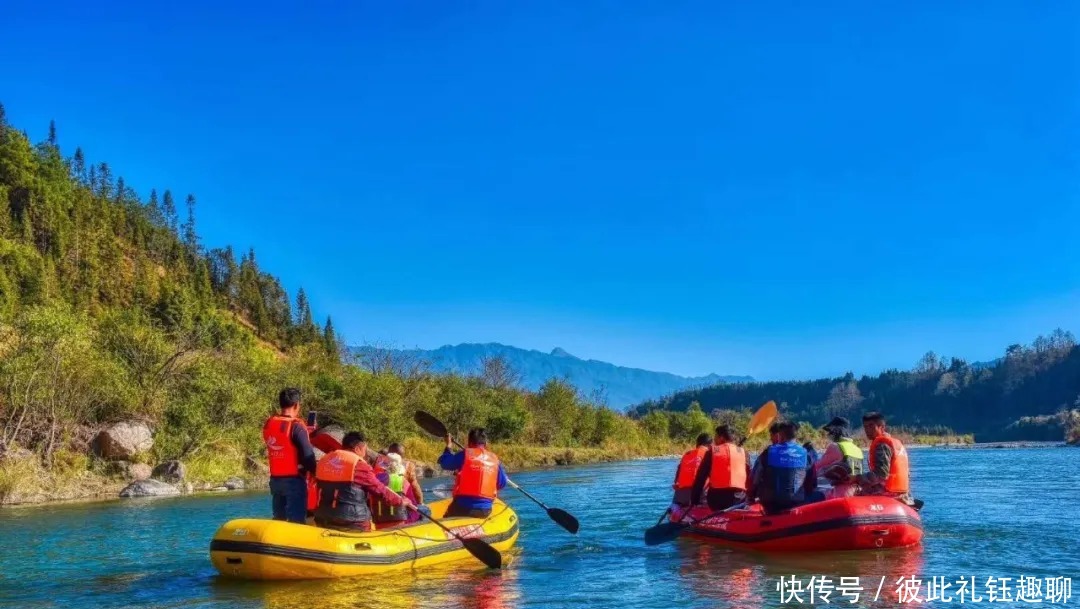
111	308
1028	394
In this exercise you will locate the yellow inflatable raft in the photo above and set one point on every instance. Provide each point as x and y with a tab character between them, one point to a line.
250	548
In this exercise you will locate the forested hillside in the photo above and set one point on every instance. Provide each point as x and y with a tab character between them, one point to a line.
112	309
1029	394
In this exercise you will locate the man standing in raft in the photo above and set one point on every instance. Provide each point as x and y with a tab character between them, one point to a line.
345	480
726	469
480	476
687	471
889	471
291	457
842	460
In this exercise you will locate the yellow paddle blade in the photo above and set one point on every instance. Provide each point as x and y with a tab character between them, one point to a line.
762	418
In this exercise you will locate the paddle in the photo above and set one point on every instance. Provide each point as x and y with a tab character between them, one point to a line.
666	531
482	550
663	516
670	530
435	427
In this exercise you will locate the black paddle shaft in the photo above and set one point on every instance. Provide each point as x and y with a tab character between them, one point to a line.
482	550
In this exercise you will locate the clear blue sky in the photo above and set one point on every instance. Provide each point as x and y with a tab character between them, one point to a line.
779	189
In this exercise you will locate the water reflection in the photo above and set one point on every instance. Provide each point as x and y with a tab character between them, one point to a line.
431	588
749	580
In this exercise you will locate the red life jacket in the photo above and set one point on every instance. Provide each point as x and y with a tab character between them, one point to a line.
281	452
689	466
479	474
728	468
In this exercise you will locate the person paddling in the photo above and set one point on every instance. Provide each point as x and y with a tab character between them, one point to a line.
291	458
480	476
346	482
726	470
687	470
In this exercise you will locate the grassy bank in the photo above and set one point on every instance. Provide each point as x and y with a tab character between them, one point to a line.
77	477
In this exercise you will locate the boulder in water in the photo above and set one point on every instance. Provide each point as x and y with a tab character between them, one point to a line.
123	440
170	471
149	488
234	484
140	471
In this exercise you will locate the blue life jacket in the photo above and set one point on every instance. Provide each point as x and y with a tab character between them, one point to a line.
784	476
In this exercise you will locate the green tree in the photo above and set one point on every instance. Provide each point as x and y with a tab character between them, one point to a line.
329	337
168	208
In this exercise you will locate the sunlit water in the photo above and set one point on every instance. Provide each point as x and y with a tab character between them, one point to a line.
1000	513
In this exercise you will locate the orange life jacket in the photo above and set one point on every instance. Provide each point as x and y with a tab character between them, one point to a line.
728	468
338	466
688	467
282	453
340	500
479	474
899	471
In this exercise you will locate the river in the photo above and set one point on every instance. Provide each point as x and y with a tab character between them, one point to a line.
989	513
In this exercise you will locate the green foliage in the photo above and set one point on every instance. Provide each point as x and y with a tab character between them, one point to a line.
938	395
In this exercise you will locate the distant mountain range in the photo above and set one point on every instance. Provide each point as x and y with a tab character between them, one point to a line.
619	385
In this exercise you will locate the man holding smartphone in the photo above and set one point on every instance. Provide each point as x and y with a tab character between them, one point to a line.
291	458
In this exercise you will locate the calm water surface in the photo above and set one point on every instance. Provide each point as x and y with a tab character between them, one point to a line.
1000	513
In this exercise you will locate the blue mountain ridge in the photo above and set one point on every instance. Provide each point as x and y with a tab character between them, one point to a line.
621	386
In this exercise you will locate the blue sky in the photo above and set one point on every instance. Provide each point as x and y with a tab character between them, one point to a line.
778	189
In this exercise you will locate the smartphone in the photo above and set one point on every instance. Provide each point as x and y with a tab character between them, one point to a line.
311	418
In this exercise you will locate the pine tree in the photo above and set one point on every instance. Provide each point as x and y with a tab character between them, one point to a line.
303	310
168	208
154	208
104	181
52	133
305	330
329	337
78	166
121	187
191	238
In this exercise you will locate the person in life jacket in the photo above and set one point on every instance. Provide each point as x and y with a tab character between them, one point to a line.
412	482
347	483
841	460
725	470
480	476
779	477
687	470
889	471
291	458
391	473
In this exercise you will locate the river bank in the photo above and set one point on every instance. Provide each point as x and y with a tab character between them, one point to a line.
79	478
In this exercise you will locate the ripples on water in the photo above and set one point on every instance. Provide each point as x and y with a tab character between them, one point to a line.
999	513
